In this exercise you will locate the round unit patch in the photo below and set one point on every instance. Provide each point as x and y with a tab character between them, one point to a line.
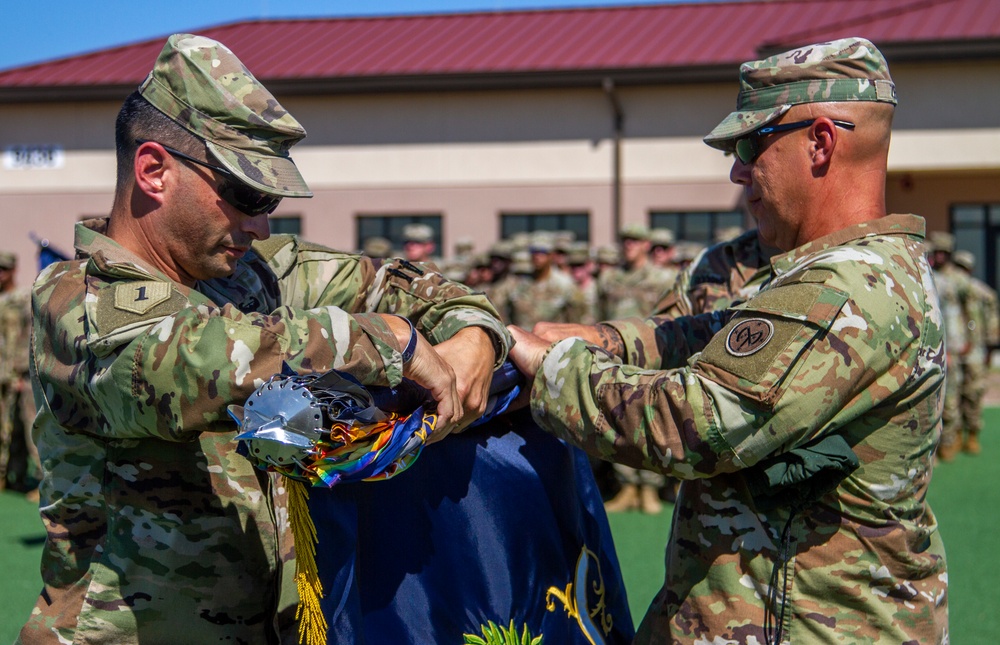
749	336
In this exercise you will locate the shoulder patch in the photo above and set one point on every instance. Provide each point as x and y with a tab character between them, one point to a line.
140	297
749	336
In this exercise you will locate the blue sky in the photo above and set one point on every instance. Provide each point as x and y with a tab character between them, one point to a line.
42	30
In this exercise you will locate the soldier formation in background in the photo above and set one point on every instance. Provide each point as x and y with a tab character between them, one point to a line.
18	459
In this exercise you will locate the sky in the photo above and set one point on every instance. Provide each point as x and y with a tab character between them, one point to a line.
43	30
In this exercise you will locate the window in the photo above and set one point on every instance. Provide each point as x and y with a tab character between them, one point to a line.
976	228
513	223
696	227
286	225
391	227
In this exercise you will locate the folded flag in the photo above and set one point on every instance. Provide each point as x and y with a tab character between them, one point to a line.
475	571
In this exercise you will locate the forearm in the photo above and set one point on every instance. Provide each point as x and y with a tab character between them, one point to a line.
662	342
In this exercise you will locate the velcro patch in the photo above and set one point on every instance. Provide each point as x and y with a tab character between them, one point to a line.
140	297
749	336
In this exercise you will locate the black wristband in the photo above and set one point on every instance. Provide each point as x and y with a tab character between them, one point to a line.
411	345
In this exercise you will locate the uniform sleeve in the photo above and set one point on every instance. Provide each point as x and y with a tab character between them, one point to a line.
662	341
313	276
176	376
794	362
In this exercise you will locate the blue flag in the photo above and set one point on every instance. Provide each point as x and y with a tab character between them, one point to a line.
47	254
497	529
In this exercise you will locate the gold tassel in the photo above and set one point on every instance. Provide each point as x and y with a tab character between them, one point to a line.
312	622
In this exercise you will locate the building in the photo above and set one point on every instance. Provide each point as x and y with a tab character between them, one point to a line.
484	125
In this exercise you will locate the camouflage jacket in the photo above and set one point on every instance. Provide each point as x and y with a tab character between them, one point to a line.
722	275
984	320
15	331
154	523
549	299
954	287
845	340
624	293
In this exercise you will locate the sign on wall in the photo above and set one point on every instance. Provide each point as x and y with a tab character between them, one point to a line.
43	156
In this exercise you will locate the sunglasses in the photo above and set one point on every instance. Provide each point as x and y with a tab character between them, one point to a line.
748	148
242	197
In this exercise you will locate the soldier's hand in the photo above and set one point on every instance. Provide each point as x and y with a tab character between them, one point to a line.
600	335
553	332
528	351
432	372
471	355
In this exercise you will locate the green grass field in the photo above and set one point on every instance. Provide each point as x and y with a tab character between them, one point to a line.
965	496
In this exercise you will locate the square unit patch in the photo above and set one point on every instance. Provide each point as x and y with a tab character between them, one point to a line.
140	297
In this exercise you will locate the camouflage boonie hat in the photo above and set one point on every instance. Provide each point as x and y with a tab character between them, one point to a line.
850	69
202	86
7	260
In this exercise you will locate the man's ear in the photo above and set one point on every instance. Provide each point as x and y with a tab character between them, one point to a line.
150	170
822	140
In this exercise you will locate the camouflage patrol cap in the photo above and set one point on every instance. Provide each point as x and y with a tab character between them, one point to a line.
418	233
578	254
850	69
942	241
964	259
662	237
634	232
7	260
608	255
377	247
205	88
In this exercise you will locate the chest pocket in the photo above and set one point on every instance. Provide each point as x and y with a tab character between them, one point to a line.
759	352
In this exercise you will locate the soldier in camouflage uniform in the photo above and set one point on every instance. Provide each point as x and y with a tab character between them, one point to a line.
630	292
581	269
18	458
983	330
954	288
177	305
547	294
803	421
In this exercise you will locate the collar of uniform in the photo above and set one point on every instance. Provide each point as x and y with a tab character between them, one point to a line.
110	257
908	225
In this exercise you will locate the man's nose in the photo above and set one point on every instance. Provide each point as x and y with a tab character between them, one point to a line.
740	172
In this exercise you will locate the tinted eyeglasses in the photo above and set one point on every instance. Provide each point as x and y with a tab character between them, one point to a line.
242	197
748	148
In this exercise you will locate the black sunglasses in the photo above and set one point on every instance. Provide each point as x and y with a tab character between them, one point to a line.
748	148
242	197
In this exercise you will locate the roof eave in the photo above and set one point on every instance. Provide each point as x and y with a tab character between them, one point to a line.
408	83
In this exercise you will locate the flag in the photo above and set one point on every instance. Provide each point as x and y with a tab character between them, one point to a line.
47	254
494	535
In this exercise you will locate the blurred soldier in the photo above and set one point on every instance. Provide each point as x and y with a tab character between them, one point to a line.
608	259
377	247
662	247
953	287
418	243
562	242
631	291
18	458
581	269
503	279
983	333
547	294
685	254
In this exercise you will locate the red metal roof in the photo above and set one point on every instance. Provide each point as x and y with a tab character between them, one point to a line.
545	41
